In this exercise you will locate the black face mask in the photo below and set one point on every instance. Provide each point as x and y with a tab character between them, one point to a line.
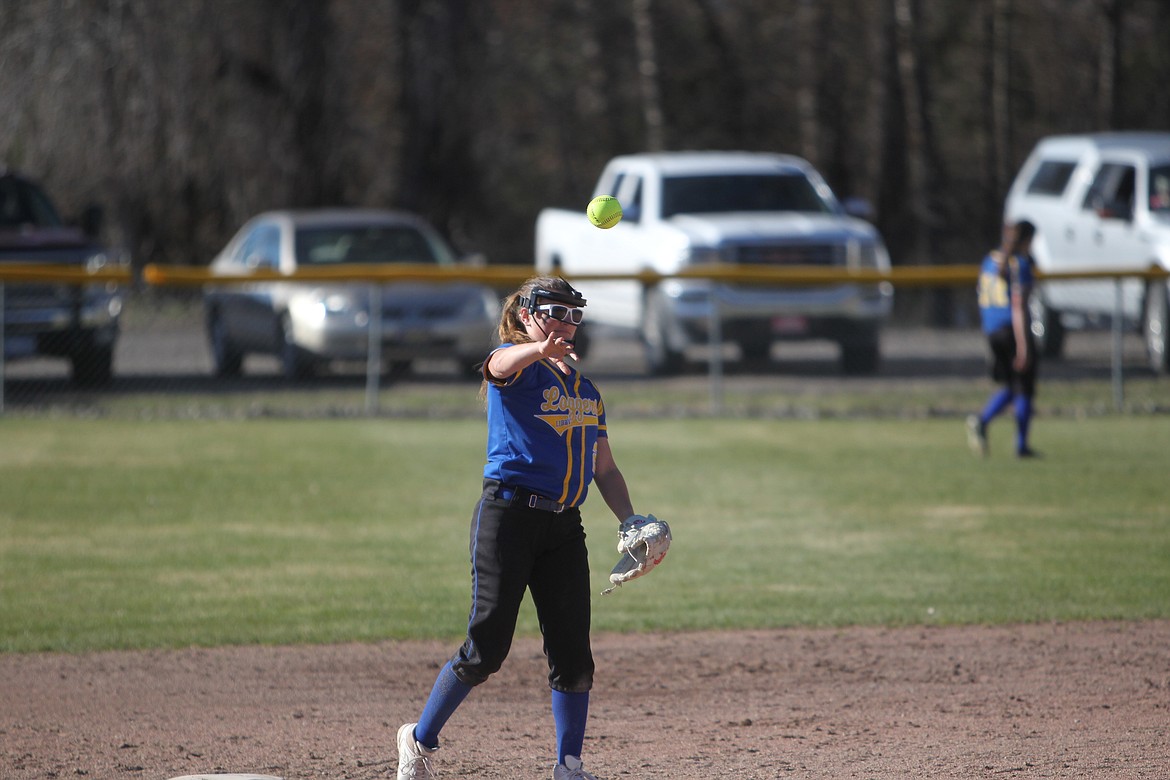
568	296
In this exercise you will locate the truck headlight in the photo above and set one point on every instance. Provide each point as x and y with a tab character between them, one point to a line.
96	262
317	308
866	254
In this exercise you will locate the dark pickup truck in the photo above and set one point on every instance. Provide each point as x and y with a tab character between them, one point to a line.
51	319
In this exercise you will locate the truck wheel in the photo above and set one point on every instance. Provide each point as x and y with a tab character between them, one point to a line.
663	358
1157	329
861	354
93	366
227	361
1047	328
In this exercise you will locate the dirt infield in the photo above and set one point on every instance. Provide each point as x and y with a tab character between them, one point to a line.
1078	700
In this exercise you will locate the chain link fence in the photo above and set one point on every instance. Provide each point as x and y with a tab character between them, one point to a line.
163	365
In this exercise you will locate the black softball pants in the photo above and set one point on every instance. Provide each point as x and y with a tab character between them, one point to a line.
1003	354
514	548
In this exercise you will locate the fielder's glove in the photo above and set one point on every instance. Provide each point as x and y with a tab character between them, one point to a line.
643	542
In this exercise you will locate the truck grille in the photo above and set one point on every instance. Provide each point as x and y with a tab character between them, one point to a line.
791	254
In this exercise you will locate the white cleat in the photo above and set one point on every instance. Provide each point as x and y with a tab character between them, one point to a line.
414	760
977	436
571	770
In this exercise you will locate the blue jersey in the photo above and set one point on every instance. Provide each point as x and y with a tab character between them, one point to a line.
996	288
542	432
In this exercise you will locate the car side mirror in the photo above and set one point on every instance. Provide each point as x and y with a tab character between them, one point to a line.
858	207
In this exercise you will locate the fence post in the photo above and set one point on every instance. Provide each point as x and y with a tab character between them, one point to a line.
1118	385
3	351
374	350
715	337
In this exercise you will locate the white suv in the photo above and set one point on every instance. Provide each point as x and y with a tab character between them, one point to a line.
1099	202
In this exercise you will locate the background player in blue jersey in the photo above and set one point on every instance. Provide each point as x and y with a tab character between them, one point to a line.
547	442
1005	282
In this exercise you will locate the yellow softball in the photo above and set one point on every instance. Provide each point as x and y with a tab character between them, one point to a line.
604	211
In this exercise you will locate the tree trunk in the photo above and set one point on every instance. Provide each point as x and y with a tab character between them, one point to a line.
1000	109
648	75
808	52
1109	73
309	41
907	57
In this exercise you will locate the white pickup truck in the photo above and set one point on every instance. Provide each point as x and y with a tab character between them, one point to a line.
697	208
1099	202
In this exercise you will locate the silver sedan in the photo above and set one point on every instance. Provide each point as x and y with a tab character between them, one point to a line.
309	324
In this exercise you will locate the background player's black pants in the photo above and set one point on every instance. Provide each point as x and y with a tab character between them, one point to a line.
1003	353
514	548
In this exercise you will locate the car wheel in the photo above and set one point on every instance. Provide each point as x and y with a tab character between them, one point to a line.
93	366
226	359
1047	328
294	363
663	357
1157	329
861	354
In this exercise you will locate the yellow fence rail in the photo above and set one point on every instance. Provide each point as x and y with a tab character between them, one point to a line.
900	276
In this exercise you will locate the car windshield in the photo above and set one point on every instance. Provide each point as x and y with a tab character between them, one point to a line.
739	193
23	204
1160	189
367	244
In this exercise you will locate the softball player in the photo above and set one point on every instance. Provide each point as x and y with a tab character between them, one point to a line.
546	443
1005	282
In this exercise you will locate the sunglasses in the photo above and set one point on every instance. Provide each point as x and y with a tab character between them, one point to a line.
569	314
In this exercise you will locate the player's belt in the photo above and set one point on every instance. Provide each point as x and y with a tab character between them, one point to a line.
529	499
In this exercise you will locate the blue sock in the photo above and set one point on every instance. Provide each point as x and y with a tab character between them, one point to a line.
1023	419
996	404
570	711
448	693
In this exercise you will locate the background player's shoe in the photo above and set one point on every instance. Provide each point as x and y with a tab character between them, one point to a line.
414	760
571	770
977	435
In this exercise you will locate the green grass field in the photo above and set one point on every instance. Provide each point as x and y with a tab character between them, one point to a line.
118	533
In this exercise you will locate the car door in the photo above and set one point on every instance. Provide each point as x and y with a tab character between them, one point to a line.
253	313
1108	237
1045	201
609	251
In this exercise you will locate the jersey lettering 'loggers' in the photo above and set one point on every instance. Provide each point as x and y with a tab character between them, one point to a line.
551	451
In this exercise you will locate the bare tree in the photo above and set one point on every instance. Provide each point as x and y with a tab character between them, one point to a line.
427	32
182	119
1000	50
809	47
906	21
652	113
1109	73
